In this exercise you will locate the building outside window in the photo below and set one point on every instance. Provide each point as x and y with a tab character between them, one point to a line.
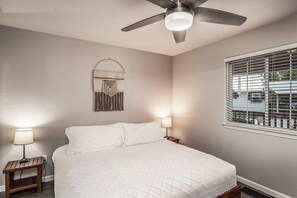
261	90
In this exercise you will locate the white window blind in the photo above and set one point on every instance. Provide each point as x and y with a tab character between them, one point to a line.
262	90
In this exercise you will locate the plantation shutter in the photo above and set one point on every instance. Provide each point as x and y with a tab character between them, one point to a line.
262	90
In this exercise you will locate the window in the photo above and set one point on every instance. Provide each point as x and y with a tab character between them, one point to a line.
261	90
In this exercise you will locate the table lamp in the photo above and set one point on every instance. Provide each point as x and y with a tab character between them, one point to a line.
23	137
167	123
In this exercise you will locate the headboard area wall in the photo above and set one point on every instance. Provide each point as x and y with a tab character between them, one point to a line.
46	84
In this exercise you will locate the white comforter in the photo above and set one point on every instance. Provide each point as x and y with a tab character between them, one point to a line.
158	169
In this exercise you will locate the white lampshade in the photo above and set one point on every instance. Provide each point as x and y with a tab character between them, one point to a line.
178	21
23	136
167	122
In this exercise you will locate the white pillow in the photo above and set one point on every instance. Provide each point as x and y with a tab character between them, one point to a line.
93	138
141	133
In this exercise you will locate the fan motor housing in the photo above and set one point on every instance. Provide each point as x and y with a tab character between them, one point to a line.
180	8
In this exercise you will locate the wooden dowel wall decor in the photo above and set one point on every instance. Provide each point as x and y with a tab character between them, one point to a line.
108	87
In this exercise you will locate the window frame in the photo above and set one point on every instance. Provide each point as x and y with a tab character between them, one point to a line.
264	130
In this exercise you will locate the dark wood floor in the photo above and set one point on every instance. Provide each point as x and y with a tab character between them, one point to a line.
48	192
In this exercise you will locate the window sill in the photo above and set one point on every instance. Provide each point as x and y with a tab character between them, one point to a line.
281	133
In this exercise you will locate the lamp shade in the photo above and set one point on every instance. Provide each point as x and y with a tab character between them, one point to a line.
167	122
23	136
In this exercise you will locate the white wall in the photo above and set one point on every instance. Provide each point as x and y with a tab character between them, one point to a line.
46	83
198	108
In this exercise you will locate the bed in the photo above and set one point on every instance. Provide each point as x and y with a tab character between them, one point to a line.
155	169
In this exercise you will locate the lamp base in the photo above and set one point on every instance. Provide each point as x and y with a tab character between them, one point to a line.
167	133
24	160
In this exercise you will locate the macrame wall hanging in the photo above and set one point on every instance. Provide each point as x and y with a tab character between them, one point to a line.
109	86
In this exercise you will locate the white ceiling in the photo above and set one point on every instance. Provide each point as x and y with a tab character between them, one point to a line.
101	21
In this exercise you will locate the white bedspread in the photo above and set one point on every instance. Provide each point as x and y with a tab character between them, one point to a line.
158	169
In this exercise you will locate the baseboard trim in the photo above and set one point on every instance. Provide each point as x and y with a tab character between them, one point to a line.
261	188
48	178
44	179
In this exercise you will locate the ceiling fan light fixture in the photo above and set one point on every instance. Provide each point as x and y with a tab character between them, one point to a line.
179	21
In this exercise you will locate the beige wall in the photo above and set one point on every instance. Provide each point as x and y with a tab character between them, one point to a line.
45	83
198	108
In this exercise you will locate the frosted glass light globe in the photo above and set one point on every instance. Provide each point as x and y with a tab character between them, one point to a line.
178	21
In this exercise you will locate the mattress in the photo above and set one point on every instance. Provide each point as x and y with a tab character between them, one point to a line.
158	169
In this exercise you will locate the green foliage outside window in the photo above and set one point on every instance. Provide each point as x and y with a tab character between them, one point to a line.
283	75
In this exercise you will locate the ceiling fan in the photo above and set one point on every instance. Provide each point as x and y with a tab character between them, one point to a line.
179	17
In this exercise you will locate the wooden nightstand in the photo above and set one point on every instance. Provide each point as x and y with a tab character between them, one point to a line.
173	139
12	185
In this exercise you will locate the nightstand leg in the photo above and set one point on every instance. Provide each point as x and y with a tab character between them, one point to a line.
39	178
7	184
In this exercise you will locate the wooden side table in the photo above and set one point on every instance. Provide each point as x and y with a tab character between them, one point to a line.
173	139
12	185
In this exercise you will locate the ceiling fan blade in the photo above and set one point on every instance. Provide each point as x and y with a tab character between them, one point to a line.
218	16
163	3
144	22
179	36
193	3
